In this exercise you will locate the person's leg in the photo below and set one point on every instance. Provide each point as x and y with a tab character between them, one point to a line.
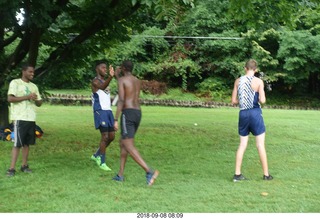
134	153
111	136
128	144
25	154
123	159
14	157
102	146
260	143
106	139
240	152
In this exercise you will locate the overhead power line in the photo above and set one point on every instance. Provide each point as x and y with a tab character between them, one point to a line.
189	37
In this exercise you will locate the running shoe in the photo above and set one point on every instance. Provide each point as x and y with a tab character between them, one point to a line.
151	177
25	169
104	167
237	178
118	178
267	177
11	172
96	159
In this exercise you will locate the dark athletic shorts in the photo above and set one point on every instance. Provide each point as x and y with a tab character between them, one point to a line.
130	121
104	120
24	133
251	120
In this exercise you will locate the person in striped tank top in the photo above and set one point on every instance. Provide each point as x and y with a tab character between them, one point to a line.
248	93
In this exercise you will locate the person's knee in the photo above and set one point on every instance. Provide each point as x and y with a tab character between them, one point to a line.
111	136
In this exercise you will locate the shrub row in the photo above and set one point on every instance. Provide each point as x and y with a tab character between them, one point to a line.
81	100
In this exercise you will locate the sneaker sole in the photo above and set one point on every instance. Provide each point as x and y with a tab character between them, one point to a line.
153	178
105	169
239	180
118	180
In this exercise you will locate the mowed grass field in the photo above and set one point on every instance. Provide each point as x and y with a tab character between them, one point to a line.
194	150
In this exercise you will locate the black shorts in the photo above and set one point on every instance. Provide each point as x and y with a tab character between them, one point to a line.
130	121
24	133
106	129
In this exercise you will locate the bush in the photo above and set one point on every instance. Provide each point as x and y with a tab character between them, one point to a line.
153	87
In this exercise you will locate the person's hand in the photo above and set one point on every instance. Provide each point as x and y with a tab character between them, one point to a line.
118	71
111	70
116	125
32	96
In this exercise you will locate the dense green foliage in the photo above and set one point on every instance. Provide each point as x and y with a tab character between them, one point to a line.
63	37
196	165
288	54
165	39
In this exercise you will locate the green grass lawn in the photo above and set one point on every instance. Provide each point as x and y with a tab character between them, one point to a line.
196	164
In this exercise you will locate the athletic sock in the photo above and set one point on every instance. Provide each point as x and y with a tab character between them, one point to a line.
97	153
103	158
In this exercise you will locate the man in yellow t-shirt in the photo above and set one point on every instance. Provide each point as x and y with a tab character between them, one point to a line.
23	96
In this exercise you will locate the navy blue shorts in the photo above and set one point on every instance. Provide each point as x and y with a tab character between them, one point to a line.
130	121
104	120
251	120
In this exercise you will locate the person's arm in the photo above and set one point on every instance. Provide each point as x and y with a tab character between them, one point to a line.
14	99
96	84
120	103
102	86
30	97
234	97
262	94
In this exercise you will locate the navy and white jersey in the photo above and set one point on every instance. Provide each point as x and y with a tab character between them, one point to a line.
101	100
248	98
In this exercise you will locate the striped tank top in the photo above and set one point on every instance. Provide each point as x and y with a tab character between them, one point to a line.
248	98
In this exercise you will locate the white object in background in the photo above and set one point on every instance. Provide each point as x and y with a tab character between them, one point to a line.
115	100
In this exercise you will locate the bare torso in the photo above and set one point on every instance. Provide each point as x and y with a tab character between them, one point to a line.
129	91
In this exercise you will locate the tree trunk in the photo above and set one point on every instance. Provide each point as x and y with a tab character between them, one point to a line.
4	114
314	83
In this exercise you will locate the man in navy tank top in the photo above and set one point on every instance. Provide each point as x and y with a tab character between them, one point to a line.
102	112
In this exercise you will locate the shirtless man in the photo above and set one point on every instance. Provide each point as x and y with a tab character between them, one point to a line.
129	107
248	92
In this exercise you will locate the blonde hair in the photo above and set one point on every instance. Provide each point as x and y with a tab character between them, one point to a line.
251	64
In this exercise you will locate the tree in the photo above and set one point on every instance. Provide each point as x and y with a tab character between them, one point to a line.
262	15
300	52
71	32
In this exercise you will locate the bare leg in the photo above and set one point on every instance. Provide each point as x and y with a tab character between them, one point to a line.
106	139
240	152
25	154
262	153
123	158
14	158
111	136
128	144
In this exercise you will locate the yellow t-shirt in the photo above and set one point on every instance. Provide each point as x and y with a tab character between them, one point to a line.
23	110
